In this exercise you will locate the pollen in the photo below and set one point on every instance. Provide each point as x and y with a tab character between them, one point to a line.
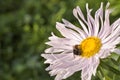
90	46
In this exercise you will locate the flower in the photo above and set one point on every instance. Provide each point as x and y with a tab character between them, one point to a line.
82	48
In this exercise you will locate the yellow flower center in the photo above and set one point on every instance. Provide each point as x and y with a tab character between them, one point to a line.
90	46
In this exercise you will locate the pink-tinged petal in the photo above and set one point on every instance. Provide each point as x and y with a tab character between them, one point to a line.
98	14
49	50
67	74
112	35
70	67
53	36
83	35
60	75
117	30
106	29
86	75
104	53
112	42
95	64
77	11
54	72
48	57
115	24
116	50
68	33
65	64
65	42
58	56
90	68
107	25
107	13
74	68
57	42
53	50
64	48
102	28
90	21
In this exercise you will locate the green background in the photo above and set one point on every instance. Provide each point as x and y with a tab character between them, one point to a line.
25	26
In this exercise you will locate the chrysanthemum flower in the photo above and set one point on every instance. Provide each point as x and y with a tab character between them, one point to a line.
82	48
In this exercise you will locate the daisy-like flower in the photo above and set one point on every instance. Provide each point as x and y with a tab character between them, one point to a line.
82	48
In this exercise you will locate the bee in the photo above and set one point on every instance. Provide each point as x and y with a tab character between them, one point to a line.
77	50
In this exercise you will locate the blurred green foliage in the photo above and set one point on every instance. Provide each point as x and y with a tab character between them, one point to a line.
25	26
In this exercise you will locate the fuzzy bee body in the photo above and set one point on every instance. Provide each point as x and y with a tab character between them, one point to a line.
76	50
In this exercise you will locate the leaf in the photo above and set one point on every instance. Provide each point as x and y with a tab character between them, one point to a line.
109	68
